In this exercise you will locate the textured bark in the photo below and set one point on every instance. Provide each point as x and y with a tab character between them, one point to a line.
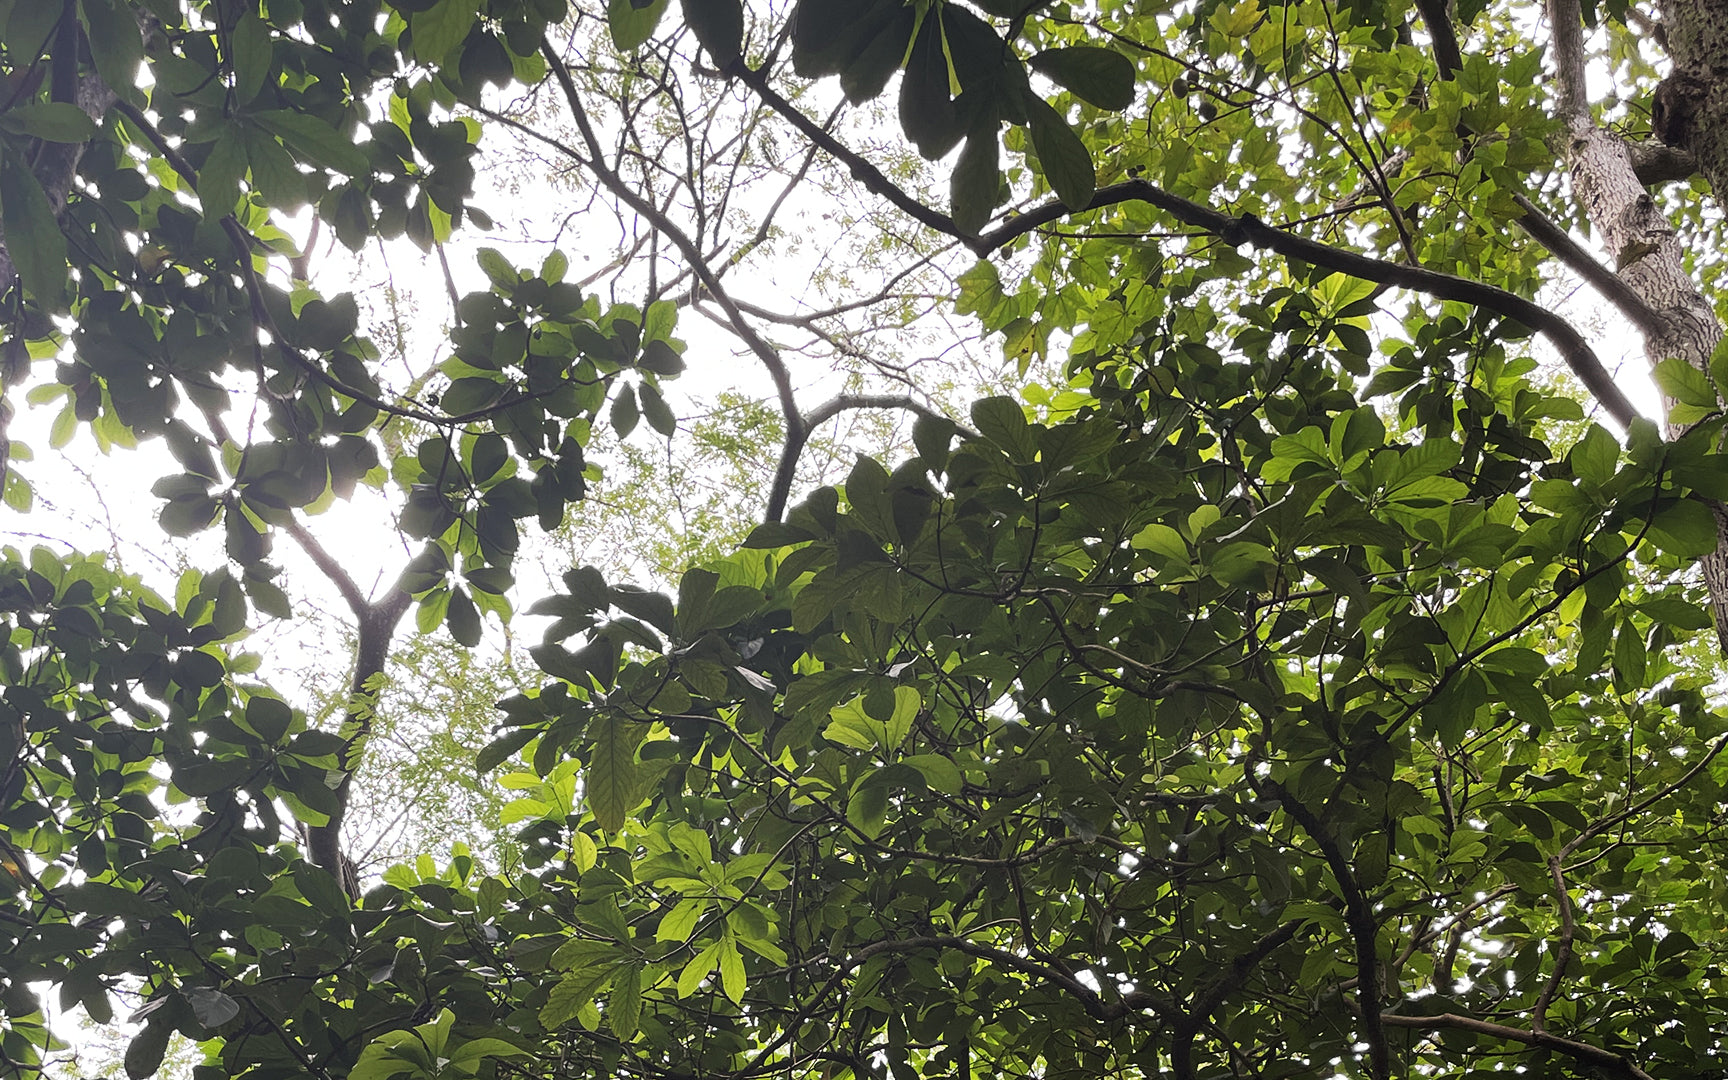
1629	225
1691	106
1695	105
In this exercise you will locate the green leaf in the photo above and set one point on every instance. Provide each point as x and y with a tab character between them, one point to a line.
211	1007
1062	157
1685	383
719	26
624	1009
33	237
1686	529
1103	77
321	890
1595	456
975	188
314	141
1003	422
54	121
145	1052
927	112
624	413
498	269
867	809
268	716
116	44
219	179
439	29
656	411
274	176
613	779
698	969
1630	659
630	25
731	963
252	55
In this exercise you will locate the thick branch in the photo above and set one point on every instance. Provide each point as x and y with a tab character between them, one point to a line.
377	624
1566	46
1443	36
1658	163
1248	229
1624	298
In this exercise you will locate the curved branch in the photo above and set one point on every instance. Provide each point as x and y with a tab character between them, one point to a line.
1358	914
862	170
1248	229
781	490
1608	1061
595	162
1613	289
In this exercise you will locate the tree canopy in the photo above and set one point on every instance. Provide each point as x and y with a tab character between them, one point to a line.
1295	675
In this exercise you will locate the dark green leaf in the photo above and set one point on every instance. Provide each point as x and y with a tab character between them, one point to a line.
33	237
719	26
1062	157
975	188
440	28
1103	77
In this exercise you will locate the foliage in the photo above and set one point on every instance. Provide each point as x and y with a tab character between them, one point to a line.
1298	682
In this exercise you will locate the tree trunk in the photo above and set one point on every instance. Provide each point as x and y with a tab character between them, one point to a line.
1630	227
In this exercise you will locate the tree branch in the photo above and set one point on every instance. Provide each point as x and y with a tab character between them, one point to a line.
1248	229
1607	1060
1562	951
1442	35
1358	914
595	162
1658	163
862	170
1624	298
781	490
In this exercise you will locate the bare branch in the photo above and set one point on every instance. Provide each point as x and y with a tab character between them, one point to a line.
1562	949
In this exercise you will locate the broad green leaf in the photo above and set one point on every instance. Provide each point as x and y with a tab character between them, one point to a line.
219	179
1103	77
33	238
698	969
613	778
631	25
974	189
441	27
116	43
314	141
731	963
1686	529
55	121
1062	157
719	26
